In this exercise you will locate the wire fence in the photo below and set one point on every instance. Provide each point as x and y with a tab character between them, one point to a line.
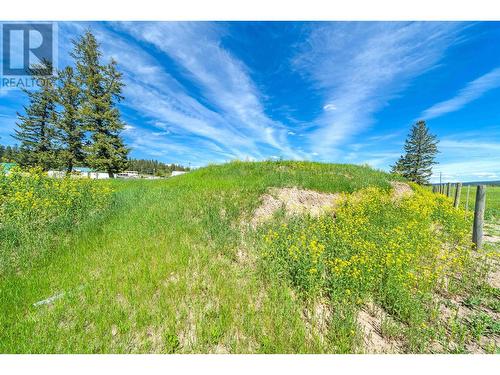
455	192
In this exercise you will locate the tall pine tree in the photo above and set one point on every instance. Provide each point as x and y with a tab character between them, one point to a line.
101	90
36	128
420	150
71	132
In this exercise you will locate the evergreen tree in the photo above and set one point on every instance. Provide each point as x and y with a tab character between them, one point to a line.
71	132
420	150
36	128
101	90
398	167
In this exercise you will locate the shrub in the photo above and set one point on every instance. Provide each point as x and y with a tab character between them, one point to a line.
34	207
395	252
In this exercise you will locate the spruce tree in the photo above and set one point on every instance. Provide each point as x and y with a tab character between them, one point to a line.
71	132
36	128
101	87
398	167
420	150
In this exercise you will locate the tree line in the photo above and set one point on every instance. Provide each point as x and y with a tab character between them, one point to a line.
154	167
72	119
12	154
9	154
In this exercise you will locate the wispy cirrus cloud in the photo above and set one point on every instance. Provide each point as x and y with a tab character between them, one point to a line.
205	92
472	91
151	91
223	80
478	145
467	170
468	156
362	66
174	149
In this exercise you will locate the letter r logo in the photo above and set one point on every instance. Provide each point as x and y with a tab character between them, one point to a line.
25	46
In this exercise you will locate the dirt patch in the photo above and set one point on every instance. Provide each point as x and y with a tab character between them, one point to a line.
370	320
491	267
484	342
491	238
294	201
452	310
155	338
452	307
187	336
494	278
400	190
122	301
317	318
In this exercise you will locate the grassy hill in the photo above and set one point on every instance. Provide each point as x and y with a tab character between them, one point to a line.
176	266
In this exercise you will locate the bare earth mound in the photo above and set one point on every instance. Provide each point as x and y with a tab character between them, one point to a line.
297	201
400	190
294	201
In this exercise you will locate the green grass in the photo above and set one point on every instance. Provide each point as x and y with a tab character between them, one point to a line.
161	271
36	212
492	211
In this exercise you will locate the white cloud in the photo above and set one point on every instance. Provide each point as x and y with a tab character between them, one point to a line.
386	137
156	95
155	144
467	170
472	91
488	175
223	80
468	145
361	66
329	107
467	159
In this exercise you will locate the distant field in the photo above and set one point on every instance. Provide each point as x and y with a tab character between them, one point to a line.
492	200
182	265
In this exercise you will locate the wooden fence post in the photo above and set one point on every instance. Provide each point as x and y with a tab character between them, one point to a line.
477	229
458	190
448	189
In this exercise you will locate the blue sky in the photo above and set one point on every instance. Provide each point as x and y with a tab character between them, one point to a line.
346	92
